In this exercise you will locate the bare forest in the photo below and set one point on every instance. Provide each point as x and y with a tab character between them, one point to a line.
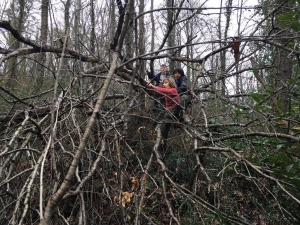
79	134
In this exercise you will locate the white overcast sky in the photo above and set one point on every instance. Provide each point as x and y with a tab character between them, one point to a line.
214	8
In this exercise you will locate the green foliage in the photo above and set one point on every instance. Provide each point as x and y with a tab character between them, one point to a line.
179	164
258	97
236	188
286	163
290	19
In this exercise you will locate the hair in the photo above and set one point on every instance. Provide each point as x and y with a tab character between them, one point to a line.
178	70
171	82
163	65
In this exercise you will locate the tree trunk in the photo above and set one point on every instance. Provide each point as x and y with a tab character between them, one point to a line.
141	48
284	64
171	38
225	32
44	38
57	197
11	67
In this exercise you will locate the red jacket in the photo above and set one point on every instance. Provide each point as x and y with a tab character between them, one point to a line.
171	96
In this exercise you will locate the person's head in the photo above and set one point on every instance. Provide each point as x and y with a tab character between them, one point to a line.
178	72
169	83
163	68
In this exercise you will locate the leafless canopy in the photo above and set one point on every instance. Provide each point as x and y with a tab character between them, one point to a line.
79	137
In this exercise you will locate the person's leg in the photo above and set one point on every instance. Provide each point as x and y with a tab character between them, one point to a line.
164	133
158	103
181	106
185	100
176	110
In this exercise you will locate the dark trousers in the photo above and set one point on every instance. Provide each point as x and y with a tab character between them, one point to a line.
159	103
165	133
185	100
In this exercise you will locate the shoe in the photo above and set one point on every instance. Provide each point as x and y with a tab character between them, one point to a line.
186	118
170	115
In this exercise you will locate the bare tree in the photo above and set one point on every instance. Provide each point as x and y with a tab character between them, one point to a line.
17	17
44	38
82	150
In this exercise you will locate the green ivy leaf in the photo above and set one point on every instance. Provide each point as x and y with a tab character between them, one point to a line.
290	19
279	104
294	1
289	167
257	97
255	71
271	159
270	91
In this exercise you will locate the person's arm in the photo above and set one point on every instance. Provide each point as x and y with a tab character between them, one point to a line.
183	85
150	75
172	91
151	85
154	78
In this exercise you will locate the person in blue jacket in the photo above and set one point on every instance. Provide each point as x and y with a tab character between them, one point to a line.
158	78
180	80
179	110
185	97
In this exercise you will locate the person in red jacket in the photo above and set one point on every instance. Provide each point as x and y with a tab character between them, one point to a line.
170	92
158	81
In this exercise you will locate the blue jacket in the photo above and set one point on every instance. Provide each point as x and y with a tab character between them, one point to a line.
156	77
181	84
